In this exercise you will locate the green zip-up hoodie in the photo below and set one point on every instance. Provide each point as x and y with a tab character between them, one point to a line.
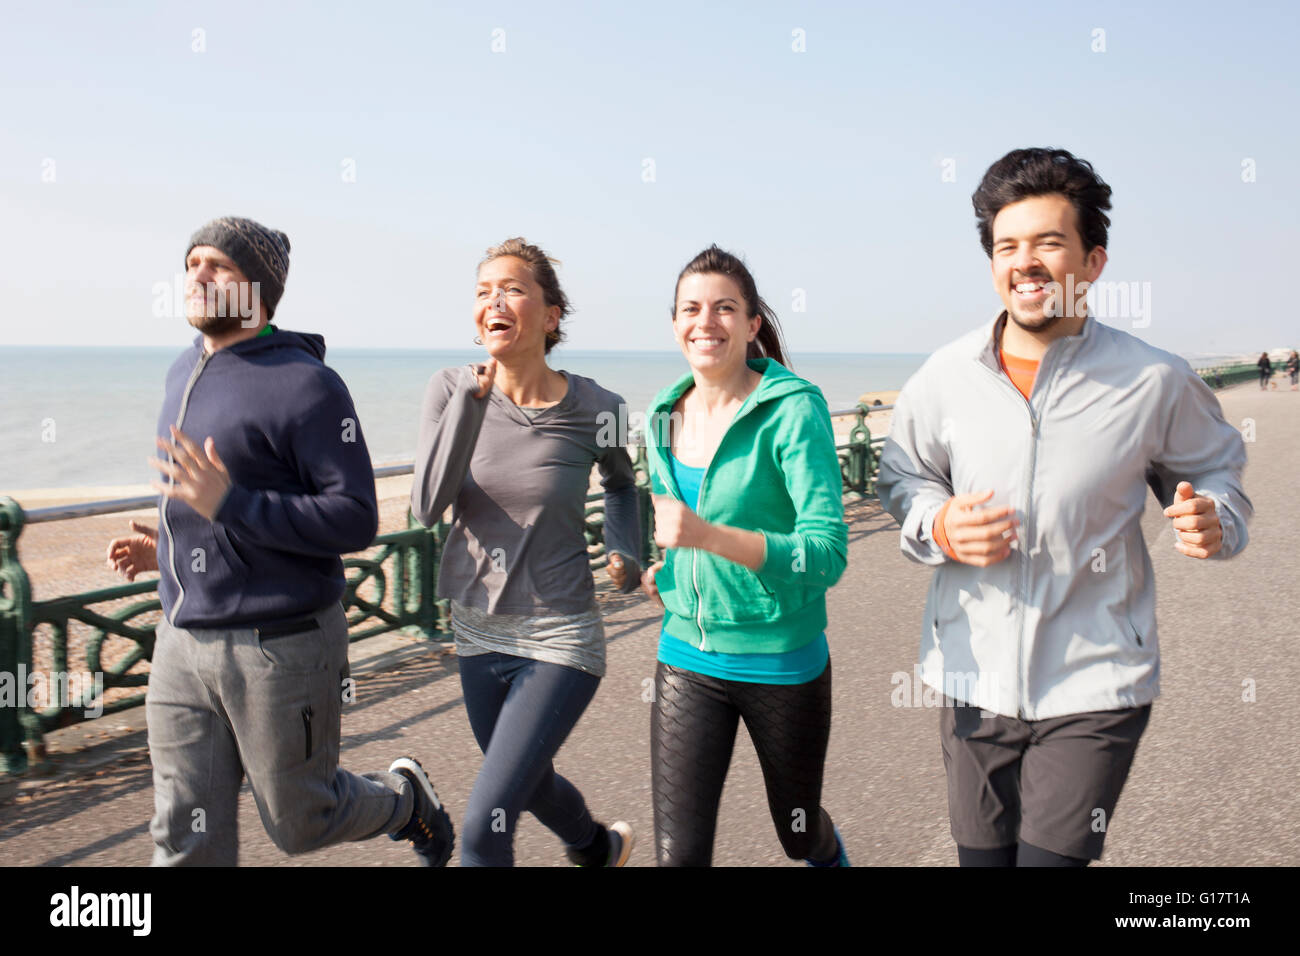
776	471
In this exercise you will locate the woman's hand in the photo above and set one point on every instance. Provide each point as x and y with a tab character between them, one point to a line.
677	526
616	570
648	583
485	374
135	554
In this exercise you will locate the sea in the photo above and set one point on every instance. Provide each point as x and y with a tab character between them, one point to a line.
79	417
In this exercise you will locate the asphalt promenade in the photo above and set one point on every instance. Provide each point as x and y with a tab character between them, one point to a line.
1214	782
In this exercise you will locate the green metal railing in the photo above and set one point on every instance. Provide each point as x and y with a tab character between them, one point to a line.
391	586
1221	376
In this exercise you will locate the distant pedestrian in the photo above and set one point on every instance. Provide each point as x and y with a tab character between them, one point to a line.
1293	366
1265	370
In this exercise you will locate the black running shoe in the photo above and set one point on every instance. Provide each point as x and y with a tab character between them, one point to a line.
429	829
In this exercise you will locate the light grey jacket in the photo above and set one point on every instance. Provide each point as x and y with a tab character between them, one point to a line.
1067	623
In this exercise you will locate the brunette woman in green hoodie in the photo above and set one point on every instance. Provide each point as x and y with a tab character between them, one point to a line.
748	508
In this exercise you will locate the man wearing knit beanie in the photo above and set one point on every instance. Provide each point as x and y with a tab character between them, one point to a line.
267	482
233	268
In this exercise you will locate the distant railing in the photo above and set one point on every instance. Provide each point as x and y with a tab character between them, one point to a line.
390	586
1221	376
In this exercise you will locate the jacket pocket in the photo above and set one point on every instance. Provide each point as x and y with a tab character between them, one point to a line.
947	608
306	726
229	551
1132	564
732	593
673	587
307	652
210	571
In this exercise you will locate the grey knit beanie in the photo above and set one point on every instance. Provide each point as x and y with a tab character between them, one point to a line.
262	254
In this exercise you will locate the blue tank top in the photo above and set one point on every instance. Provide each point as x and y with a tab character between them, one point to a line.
791	667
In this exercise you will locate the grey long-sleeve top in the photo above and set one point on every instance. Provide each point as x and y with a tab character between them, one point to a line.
519	489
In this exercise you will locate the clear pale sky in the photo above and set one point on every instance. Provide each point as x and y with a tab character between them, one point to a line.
824	168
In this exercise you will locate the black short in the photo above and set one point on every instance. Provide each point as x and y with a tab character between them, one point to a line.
1052	783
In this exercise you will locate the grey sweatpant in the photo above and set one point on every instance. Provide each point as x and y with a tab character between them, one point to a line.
223	703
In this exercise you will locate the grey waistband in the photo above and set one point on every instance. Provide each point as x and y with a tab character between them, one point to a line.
570	640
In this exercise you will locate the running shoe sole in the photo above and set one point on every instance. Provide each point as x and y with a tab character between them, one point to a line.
411	769
628	836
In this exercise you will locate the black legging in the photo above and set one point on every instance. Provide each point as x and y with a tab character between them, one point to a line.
692	733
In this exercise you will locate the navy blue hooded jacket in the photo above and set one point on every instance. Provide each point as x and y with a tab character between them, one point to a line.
303	489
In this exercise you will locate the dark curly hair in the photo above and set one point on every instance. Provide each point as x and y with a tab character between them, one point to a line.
1022	173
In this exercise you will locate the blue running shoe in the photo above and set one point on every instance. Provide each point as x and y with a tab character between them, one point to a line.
841	858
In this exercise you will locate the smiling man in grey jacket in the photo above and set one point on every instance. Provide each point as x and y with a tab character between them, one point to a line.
1017	464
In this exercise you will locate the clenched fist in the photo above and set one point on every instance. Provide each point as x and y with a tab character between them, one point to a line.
485	374
979	536
1196	519
677	526
616	570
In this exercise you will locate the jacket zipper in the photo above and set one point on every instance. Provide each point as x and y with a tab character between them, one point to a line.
699	509
1022	675
1021	668
699	604
695	553
171	541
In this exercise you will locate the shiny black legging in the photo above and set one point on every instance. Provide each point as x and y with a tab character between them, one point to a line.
692	733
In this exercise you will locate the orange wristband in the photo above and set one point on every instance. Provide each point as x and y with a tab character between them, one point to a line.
941	538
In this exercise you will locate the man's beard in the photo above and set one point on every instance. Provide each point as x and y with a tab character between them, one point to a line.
1049	312
216	324
1041	324
221	314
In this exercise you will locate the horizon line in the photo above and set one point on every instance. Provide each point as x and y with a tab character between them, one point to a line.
591	351
406	350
